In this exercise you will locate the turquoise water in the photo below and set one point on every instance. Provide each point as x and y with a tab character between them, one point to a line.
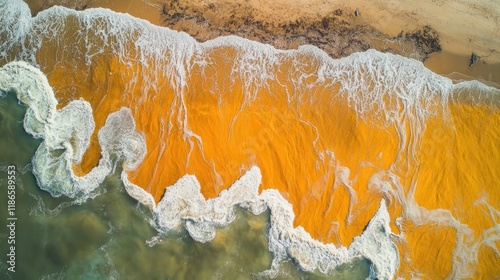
108	235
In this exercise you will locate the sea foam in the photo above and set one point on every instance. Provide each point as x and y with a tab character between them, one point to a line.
182	204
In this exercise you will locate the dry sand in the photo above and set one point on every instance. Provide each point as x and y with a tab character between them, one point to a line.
463	25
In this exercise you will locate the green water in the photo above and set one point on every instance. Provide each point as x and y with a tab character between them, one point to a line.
106	237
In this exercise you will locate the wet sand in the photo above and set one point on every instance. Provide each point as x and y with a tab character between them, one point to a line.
455	67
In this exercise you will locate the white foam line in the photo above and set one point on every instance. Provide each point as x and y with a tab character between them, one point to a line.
69	130
183	204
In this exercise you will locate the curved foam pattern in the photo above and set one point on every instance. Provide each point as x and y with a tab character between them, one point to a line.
183	203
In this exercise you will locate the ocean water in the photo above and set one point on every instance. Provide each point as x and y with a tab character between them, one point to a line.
230	158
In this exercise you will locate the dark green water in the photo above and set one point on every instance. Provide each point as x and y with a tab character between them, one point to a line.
106	237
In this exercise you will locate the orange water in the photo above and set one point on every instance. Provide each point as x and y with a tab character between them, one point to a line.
441	173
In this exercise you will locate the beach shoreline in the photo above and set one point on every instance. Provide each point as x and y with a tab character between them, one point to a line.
331	136
337	27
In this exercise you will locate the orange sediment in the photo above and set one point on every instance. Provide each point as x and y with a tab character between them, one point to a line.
299	145
309	143
459	173
428	251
